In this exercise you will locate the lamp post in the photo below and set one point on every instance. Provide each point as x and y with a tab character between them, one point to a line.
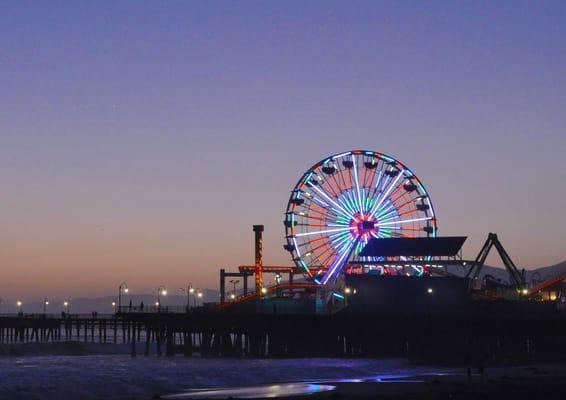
19	305
66	306
189	291
161	291
45	304
199	295
234	282
122	287
114	306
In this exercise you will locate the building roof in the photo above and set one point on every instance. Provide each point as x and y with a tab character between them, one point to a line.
414	247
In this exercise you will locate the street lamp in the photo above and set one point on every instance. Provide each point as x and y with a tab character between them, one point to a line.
161	291
199	295
114	305
122	287
45	304
234	282
19	305
189	291
277	278
66	305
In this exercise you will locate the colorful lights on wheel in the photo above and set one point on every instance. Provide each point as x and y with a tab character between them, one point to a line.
343	201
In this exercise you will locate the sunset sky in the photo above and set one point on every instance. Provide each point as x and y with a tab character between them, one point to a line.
139	141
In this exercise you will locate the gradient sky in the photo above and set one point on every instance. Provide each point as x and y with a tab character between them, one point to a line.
139	141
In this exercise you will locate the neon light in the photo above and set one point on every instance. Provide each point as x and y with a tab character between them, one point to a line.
325	231
389	189
338	262
403	221
338	295
341	155
358	186
296	248
430	206
332	201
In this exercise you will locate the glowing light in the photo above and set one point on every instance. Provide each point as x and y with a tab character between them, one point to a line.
358	186
403	221
338	295
296	247
341	155
389	189
325	231
429	290
332	201
264	290
19	303
347	290
339	261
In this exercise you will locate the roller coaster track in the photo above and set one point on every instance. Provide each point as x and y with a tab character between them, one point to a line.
546	284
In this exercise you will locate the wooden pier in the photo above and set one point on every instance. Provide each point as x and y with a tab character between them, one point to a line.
217	333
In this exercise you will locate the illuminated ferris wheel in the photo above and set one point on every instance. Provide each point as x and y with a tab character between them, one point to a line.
346	199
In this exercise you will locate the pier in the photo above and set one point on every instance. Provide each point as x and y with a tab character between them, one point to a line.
213	333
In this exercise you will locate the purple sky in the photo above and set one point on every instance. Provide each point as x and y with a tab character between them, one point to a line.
139	141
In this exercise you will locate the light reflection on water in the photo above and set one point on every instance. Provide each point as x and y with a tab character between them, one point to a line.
296	388
254	392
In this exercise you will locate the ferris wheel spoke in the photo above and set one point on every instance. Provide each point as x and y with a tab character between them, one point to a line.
332	201
324	231
343	200
355	168
404	221
339	262
384	196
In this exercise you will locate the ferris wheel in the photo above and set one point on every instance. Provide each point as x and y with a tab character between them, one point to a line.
344	200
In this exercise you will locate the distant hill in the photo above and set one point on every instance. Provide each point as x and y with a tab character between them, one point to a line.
542	273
